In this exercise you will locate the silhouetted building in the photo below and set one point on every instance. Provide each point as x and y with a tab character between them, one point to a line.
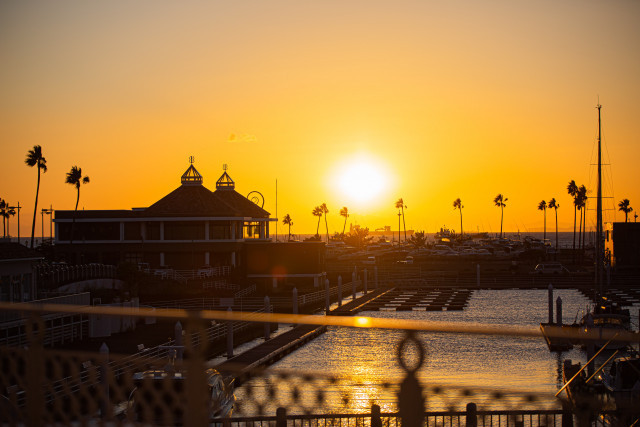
622	244
283	266
189	228
17	278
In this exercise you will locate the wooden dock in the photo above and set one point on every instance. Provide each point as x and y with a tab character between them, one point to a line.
420	299
276	348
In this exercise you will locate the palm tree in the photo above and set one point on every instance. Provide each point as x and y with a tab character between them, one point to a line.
572	189
555	205
624	207
325	211
345	213
288	221
75	178
35	158
582	205
3	208
317	211
6	214
457	204
542	206
400	205
499	201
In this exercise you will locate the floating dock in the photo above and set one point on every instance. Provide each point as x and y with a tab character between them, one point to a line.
420	300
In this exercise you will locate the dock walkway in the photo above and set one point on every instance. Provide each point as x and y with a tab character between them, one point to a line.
275	348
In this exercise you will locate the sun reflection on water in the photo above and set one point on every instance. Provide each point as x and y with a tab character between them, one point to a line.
356	367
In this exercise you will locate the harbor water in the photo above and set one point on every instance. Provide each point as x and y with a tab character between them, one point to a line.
361	361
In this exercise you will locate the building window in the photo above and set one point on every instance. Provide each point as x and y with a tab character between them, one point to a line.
252	230
184	230
153	230
90	231
132	231
219	230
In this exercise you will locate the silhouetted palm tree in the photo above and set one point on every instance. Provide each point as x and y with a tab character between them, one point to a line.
555	205
345	213
35	158
499	201
7	212
572	189
542	206
400	205
581	201
288	221
317	211
457	204
624	207
3	208
75	178
325	211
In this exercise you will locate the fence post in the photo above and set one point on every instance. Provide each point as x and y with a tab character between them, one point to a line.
178	334
472	417
375	416
567	415
281	417
267	307
35	370
327	302
353	284
339	291
229	337
550	296
366	276
105	404
559	311
295	300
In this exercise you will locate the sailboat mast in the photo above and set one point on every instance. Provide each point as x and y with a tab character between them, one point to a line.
599	243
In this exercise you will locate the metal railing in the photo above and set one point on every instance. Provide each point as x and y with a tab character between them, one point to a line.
53	276
40	386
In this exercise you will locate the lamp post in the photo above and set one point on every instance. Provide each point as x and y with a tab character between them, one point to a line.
399	215
47	212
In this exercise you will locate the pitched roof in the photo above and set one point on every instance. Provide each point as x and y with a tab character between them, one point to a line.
190	200
240	204
15	251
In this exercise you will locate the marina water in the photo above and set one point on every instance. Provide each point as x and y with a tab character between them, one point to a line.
363	359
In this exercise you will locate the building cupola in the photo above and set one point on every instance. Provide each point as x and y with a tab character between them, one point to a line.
225	182
191	176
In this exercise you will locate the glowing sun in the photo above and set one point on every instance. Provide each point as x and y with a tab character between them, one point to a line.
361	179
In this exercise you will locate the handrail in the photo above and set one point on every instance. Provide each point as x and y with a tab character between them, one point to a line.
352	322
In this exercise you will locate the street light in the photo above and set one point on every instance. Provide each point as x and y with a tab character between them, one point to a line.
50	213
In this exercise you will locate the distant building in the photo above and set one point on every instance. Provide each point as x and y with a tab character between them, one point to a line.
622	244
17	279
189	228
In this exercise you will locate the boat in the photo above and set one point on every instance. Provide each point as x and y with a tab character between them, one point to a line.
582	395
622	382
169	383
607	316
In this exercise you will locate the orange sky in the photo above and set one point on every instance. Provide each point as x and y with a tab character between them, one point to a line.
446	99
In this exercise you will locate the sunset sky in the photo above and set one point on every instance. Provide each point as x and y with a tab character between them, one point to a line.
424	100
